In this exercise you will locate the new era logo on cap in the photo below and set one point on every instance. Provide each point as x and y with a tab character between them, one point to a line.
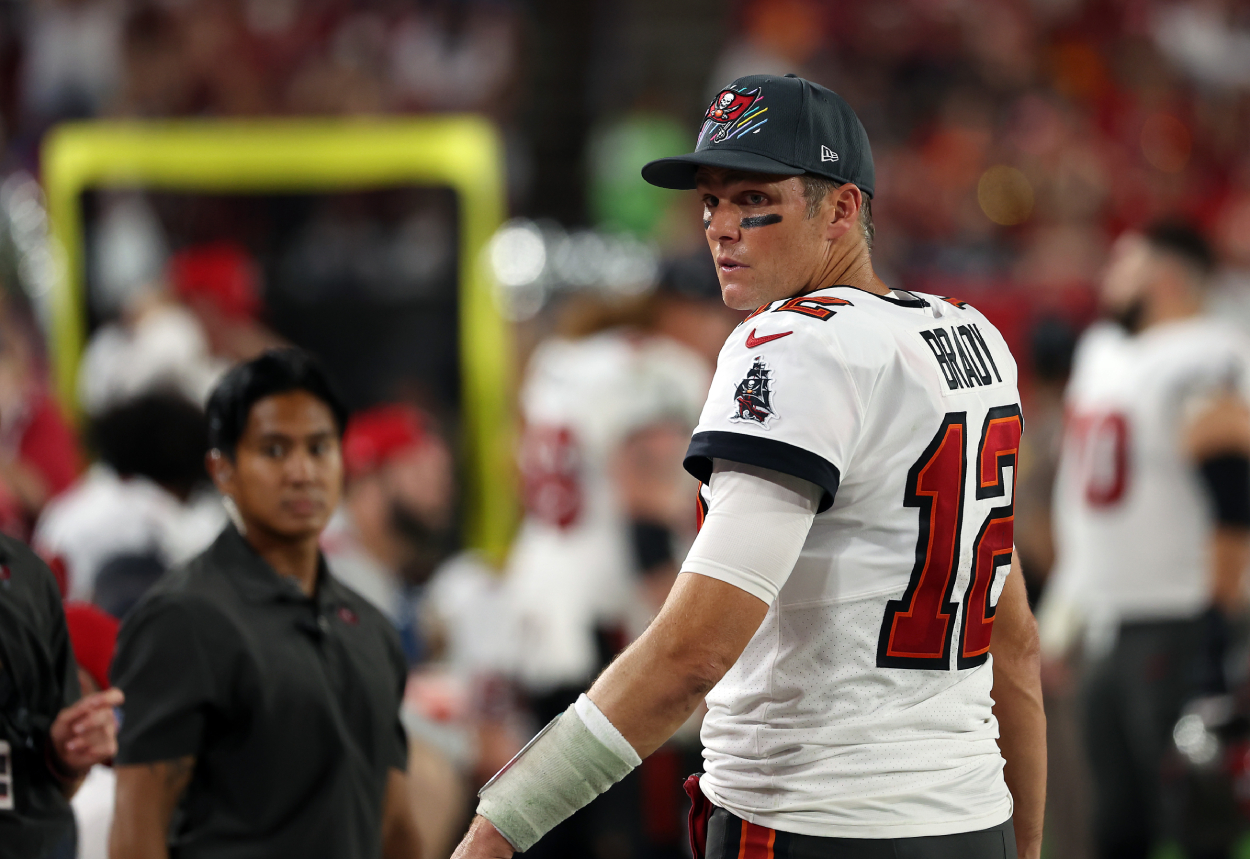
827	154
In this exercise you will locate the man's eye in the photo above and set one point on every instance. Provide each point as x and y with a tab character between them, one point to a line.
756	199
710	202
274	450
319	448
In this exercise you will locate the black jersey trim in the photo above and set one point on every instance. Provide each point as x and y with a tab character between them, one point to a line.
764	453
915	301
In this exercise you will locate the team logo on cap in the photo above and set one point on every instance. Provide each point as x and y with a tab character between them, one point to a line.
753	398
733	113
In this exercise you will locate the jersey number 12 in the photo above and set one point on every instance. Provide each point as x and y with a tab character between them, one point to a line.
918	629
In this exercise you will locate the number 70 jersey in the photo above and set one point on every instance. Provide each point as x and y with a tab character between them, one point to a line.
861	708
1132	518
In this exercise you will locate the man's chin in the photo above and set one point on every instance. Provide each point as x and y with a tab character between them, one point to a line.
739	295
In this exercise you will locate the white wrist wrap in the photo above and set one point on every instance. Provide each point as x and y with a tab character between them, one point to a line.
578	756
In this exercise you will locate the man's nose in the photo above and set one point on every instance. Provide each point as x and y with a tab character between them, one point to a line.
300	467
723	226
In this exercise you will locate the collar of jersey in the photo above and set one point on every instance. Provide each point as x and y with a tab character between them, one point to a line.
901	302
256	581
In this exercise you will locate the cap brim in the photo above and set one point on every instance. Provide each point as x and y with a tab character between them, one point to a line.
677	172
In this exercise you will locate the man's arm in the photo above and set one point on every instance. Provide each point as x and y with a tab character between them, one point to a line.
144	805
654	686
400	839
1018	707
651	690
1217	440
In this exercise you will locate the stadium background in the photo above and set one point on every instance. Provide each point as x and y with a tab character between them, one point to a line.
422	193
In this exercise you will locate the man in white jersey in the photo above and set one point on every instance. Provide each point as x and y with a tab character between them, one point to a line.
1152	506
849	603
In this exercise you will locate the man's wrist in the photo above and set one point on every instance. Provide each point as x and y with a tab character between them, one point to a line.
60	770
493	838
558	772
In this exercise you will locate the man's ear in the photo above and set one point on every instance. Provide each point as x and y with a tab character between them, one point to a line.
841	210
221	469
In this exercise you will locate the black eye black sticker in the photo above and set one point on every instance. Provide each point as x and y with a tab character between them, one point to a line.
759	221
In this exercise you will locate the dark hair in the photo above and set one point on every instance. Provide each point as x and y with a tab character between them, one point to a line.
276	371
816	188
1183	241
1052	343
160	435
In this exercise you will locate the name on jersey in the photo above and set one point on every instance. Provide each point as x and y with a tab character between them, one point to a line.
962	356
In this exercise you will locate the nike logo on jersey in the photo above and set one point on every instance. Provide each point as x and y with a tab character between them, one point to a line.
963	357
753	341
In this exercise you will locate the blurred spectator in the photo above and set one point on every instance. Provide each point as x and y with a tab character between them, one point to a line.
151	340
93	635
395	525
143	508
174	321
1053	342
38	452
220	283
72	66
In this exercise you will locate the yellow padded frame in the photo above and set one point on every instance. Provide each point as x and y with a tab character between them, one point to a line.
311	155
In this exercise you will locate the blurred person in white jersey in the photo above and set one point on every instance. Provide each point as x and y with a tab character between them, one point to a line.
1152	517
605	392
849	602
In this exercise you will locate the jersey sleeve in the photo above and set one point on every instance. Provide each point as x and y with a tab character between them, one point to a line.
746	501
161	667
789	404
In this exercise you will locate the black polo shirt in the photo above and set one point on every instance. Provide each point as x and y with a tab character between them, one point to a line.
290	705
38	679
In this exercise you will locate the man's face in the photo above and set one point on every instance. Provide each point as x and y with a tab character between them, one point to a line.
764	245
1125	288
287	472
422	483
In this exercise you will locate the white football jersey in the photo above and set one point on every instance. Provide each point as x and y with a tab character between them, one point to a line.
570	567
1132	518
861	708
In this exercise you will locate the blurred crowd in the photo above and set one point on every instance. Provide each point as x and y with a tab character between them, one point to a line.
1013	139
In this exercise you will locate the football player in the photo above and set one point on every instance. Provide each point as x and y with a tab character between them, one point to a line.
1152	515
850	602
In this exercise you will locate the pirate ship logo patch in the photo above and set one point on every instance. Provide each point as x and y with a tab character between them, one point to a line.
732	114
753	398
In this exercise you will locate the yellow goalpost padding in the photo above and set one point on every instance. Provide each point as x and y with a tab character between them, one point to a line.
313	155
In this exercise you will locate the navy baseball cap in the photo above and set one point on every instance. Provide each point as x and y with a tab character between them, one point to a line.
779	125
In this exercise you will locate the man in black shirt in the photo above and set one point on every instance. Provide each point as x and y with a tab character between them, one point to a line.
48	737
262	695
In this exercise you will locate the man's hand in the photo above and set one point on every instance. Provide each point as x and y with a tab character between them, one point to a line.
85	733
483	841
